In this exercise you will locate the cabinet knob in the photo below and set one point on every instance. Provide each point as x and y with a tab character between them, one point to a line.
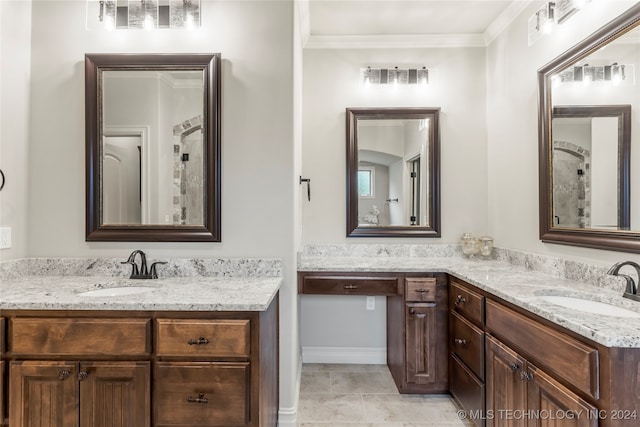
64	374
460	341
82	375
514	367
199	399
526	376
199	341
460	300
350	287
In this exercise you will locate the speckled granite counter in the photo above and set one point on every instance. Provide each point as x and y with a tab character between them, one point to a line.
519	285
174	294
186	285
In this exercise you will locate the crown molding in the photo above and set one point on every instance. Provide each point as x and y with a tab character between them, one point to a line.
391	41
397	41
505	19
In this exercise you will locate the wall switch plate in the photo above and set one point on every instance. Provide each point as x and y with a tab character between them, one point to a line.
371	303
5	237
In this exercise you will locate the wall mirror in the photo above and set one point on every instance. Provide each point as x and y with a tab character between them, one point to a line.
393	172
152	147
589	117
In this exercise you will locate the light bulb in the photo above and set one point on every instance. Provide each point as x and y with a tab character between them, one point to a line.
148	23
191	23
547	27
109	24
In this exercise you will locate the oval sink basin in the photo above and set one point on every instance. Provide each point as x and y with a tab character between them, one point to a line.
116	292
588	306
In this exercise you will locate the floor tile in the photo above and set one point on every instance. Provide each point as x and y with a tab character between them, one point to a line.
362	382
315	382
330	407
343	395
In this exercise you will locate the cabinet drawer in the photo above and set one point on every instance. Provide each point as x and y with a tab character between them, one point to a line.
420	289
203	338
79	337
467	342
201	394
467	389
560	354
466	302
349	285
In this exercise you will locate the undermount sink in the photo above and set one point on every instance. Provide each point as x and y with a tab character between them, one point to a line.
589	306
116	292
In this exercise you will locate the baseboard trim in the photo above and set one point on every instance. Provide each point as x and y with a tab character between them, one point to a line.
288	417
351	355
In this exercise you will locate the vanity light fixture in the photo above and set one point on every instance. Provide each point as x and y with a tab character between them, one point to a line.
143	14
615	73
552	13
395	76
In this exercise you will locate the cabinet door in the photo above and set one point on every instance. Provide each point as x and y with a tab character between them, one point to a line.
557	406
505	388
43	394
420	343
115	394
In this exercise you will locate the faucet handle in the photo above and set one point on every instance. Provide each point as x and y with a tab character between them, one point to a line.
134	268
152	269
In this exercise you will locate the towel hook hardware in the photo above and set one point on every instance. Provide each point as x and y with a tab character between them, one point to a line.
308	181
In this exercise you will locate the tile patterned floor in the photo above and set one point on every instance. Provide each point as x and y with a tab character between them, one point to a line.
366	396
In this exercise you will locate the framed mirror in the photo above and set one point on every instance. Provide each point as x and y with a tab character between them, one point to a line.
589	140
152	147
393	172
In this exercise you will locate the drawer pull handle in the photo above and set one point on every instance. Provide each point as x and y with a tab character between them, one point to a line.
422	291
460	300
64	374
82	375
201	340
460	341
199	399
514	367
350	287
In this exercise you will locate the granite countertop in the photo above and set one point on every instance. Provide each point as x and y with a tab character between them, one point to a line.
170	294
515	284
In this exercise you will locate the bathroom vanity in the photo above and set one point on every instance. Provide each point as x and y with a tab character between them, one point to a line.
191	351
510	354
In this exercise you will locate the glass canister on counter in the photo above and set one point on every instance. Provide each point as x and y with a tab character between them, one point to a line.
486	246
469	244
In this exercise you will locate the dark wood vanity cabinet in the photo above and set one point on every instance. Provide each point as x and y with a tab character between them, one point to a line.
143	369
416	321
509	367
66	393
3	414
417	335
466	349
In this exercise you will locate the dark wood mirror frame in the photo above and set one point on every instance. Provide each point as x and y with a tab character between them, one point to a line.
210	230
433	150
617	240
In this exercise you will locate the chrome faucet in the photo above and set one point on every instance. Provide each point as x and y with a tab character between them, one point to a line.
142	272
631	290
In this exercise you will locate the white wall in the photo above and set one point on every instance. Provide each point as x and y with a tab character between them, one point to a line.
256	42
331	84
15	57
512	113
